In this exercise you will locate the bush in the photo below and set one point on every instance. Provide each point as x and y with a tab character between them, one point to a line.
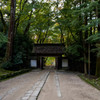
3	39
3	42
7	65
23	45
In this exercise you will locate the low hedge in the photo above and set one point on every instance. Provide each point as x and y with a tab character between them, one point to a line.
12	74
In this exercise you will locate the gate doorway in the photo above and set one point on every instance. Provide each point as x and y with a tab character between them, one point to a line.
57	64
49	61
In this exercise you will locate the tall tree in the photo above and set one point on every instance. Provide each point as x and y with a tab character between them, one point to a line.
9	51
98	58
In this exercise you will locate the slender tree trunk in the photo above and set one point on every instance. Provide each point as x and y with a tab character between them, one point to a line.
39	37
98	58
28	25
84	43
89	59
89	48
98	16
85	47
85	65
62	37
45	35
9	51
3	22
68	39
19	16
72	34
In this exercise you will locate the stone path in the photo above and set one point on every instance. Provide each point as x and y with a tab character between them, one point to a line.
57	84
67	86
47	85
33	93
15	88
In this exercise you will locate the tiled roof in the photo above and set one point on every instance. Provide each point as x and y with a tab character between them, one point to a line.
48	49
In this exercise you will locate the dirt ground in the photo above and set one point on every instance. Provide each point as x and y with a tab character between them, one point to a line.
59	86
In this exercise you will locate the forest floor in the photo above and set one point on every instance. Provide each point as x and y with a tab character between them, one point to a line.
47	84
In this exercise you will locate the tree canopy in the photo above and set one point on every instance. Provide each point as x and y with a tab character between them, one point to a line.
76	23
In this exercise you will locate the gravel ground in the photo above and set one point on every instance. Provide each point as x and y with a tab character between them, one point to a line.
58	86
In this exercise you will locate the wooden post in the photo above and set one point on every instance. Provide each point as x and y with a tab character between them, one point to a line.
42	64
56	62
59	62
38	62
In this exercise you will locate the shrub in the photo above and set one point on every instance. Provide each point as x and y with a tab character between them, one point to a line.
23	45
6	65
3	42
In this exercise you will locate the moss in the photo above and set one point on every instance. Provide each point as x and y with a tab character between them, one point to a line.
94	82
8	74
3	71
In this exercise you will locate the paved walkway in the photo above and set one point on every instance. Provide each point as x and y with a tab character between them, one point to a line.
47	85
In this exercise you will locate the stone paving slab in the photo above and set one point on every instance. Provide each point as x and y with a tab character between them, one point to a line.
33	93
57	85
33	98
25	98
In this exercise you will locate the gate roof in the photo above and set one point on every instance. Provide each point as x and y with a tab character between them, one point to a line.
51	49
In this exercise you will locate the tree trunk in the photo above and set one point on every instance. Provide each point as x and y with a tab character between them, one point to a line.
28	24
85	65
39	37
45	35
89	59
89	48
19	16
98	16
85	46
3	22
9	51
62	37
98	58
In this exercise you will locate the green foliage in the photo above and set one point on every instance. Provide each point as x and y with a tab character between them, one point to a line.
67	21
74	50
96	50
18	58
23	46
3	42
3	39
6	65
93	38
50	61
98	67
